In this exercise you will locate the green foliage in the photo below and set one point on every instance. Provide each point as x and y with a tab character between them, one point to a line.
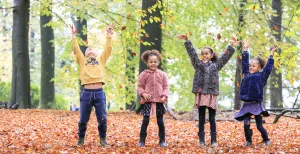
5	91
200	19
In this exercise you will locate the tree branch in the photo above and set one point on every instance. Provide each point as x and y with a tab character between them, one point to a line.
5	8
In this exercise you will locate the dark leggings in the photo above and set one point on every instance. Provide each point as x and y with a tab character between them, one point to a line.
259	125
212	118
160	123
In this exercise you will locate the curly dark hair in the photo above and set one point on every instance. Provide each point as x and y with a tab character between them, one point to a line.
215	55
145	56
261	61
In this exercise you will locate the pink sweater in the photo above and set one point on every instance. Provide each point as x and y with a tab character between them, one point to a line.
154	83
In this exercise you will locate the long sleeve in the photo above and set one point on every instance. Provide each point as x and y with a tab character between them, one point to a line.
245	62
141	84
225	57
267	69
196	62
107	51
165	86
75	47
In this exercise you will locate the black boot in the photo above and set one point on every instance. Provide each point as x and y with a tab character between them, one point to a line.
201	138
103	142
142	139
80	141
266	139
248	135
162	141
213	139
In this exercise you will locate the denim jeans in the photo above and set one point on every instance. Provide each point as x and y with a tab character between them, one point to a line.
92	98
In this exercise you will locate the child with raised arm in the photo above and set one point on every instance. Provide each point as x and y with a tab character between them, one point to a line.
154	90
255	76
206	83
92	79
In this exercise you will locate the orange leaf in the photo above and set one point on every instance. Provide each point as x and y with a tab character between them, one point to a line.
276	28
226	9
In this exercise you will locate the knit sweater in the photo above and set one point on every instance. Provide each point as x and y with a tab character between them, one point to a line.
154	83
252	85
92	71
206	77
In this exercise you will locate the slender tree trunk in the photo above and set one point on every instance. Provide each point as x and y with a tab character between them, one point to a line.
47	98
20	91
276	77
153	30
130	89
80	26
238	71
265	98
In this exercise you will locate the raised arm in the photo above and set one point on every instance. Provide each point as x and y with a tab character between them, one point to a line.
269	66
108	45
225	57
75	47
196	62
191	51
245	58
227	54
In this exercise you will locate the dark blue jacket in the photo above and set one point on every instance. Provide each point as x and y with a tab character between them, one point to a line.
206	77
252	85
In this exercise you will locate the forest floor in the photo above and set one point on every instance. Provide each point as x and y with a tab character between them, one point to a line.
52	131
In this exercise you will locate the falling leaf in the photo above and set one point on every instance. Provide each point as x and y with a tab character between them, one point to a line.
254	7
128	15
190	33
133	53
121	109
86	42
292	80
219	36
276	28
239	57
123	28
226	9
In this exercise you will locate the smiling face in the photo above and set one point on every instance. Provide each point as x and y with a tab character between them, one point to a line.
152	62
254	66
90	52
206	55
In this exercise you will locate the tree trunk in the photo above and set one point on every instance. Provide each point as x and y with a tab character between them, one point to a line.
47	98
20	91
265	98
130	89
80	26
153	30
238	70
276	77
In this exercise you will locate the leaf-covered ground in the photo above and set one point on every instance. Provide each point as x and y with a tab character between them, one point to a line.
48	131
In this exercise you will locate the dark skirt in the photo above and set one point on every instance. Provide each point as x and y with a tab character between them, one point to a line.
160	109
251	108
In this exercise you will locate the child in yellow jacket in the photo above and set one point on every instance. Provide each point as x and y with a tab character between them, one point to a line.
92	75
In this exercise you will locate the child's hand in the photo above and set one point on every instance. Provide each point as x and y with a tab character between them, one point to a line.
164	99
245	45
184	37
74	30
109	30
146	96
274	48
234	42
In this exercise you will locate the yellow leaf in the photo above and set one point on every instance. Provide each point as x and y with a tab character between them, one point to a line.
292	80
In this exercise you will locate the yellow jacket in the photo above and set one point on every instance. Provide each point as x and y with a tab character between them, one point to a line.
92	72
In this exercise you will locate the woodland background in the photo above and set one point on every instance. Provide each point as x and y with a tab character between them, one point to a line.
38	68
